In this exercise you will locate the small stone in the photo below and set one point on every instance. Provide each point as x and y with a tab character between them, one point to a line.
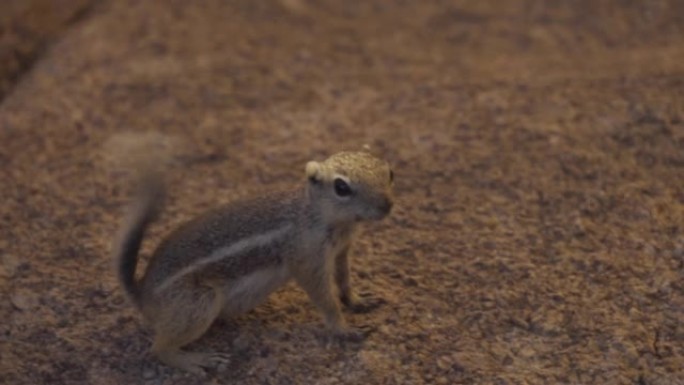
23	301
9	265
649	250
678	252
241	343
264	351
444	362
527	352
275	334
149	373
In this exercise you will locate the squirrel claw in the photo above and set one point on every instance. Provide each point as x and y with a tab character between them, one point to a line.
358	334
366	304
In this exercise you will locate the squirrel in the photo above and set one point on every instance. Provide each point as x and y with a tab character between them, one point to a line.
230	259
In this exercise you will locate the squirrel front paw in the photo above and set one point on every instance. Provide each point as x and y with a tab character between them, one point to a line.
343	335
353	334
364	303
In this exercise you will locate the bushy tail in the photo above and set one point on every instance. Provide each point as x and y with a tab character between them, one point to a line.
145	157
144	210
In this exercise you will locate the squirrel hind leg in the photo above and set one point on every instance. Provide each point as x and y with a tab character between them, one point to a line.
185	320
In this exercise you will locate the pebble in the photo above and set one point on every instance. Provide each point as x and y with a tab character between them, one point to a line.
444	362
241	343
23	301
149	373
678	252
8	265
275	334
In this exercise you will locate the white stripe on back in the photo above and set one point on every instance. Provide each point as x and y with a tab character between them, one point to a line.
225	252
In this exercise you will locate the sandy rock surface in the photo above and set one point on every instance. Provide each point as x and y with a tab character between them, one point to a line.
538	236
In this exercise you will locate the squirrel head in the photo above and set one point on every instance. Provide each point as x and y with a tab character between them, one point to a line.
351	186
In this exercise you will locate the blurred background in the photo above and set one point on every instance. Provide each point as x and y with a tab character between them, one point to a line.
538	149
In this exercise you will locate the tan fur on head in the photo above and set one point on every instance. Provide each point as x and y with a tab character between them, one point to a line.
313	170
328	170
365	182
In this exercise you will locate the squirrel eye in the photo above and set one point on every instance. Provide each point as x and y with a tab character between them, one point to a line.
342	189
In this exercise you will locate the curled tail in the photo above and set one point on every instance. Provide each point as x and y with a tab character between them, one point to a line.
143	211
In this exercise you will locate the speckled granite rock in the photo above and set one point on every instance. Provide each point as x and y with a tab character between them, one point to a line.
27	27
539	160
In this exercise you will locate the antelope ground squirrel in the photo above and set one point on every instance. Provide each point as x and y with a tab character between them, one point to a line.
228	260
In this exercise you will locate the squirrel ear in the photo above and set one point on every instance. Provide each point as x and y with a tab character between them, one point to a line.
313	171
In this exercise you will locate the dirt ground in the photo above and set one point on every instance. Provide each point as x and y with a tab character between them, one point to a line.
538	148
